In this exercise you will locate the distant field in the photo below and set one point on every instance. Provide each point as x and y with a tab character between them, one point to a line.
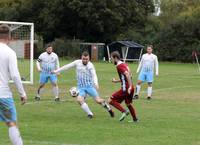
172	117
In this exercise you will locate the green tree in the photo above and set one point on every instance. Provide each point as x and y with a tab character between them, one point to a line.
180	35
83	19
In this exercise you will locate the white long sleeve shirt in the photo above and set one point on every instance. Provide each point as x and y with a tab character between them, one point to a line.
149	62
48	62
9	71
85	74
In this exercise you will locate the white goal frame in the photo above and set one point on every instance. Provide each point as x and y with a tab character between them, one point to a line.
31	46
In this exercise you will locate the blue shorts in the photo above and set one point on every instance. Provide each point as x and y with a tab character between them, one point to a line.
45	76
90	90
146	76
7	110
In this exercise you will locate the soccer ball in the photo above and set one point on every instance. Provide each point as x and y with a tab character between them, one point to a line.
74	92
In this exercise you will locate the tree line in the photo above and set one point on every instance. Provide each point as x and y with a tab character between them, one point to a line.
175	33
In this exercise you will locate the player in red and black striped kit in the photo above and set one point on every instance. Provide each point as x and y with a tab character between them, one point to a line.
127	89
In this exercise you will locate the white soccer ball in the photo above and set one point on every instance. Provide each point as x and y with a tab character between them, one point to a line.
74	92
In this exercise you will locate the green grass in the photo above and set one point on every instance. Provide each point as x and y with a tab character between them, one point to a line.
171	118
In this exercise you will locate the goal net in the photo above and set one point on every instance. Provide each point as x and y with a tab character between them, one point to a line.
22	41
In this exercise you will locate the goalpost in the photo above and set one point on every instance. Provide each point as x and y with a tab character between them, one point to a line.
22	42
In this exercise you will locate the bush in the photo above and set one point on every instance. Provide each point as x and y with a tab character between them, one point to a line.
67	48
177	41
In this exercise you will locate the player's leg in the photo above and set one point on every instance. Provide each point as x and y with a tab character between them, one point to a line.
105	105
55	91
39	90
141	78
138	87
115	100
82	103
149	91
43	81
14	133
132	111
53	79
93	92
150	81
9	116
128	102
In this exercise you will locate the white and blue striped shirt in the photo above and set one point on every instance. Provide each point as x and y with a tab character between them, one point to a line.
148	63
48	62
86	74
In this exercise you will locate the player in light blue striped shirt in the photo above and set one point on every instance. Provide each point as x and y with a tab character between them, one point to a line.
87	83
146	67
46	63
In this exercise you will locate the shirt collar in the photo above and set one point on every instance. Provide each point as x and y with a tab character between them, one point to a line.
119	62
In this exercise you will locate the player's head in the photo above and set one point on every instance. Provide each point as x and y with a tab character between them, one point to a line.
115	57
149	49
85	57
4	33
49	49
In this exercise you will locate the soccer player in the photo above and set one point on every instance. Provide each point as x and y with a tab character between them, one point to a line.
9	70
127	89
147	64
87	83
46	63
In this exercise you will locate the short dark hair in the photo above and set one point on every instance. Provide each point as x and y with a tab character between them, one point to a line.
150	46
115	54
85	53
49	45
4	31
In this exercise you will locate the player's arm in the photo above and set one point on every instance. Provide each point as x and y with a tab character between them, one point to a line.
39	60
57	62
65	67
116	80
156	65
140	64
94	76
15	76
128	78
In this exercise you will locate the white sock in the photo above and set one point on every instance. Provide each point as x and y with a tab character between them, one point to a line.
15	136
85	107
138	87
149	91
106	106
55	91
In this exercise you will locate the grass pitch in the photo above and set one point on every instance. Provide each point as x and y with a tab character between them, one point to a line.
172	117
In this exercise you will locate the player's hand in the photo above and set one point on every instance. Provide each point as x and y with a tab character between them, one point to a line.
97	87
114	80
54	72
23	100
129	90
156	75
39	70
58	74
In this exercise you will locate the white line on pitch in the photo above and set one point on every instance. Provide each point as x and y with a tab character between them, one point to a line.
51	143
172	88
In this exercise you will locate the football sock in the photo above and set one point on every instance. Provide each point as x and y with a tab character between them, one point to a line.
85	107
105	105
132	111
55	91
15	136
149	91
117	106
